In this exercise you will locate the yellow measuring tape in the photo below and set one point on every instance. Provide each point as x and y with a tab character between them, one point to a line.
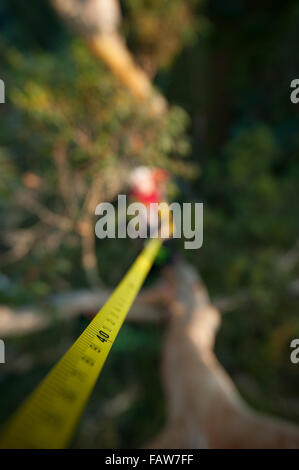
48	417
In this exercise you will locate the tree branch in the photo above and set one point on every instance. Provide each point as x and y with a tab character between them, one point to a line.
66	306
97	21
204	406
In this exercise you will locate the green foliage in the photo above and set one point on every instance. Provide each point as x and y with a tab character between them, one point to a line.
80	113
82	105
145	21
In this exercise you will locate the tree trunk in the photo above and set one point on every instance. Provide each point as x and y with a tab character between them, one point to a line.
205	409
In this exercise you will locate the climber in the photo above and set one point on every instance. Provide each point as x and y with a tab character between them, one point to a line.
149	186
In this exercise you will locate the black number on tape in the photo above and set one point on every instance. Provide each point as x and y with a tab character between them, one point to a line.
102	336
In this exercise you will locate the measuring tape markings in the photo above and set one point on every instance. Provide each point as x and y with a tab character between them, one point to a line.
48	417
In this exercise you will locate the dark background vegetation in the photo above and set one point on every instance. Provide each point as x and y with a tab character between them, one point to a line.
231	140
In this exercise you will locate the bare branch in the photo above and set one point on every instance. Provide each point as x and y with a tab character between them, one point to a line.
27	200
105	187
66	306
204	406
90	17
97	21
64	177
